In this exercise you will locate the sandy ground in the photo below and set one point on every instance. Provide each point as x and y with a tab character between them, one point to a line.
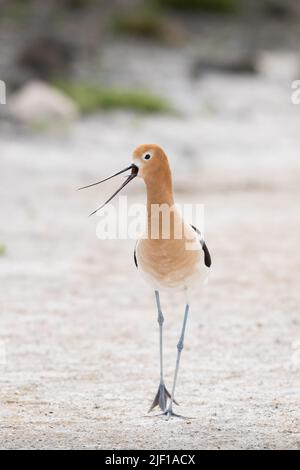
78	334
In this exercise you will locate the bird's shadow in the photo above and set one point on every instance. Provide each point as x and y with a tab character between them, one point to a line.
165	418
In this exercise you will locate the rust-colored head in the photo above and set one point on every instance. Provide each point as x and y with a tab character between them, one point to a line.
152	162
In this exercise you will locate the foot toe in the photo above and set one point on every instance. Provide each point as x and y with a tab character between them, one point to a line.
161	398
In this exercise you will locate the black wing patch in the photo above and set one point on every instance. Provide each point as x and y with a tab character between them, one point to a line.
207	257
134	256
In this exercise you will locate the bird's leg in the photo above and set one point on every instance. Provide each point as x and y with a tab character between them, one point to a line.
169	411
162	394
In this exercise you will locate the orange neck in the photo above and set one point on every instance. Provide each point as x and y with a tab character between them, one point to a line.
159	191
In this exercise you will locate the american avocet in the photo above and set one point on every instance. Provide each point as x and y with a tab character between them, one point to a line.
169	256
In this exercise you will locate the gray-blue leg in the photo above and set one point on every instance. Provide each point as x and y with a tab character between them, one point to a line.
160	319
162	394
169	411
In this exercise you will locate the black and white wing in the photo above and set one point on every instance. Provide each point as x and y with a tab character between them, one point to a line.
207	257
134	255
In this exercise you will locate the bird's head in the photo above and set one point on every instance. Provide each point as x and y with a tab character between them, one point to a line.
149	162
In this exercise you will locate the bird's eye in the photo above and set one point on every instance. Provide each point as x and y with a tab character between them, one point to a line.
147	156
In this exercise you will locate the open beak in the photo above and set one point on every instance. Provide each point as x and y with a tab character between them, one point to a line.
134	171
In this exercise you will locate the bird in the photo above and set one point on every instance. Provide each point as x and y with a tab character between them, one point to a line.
171	254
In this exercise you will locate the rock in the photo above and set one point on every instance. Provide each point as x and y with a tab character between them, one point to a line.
46	57
281	10
236	65
38	102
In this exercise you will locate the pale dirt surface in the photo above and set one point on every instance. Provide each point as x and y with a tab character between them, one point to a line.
79	338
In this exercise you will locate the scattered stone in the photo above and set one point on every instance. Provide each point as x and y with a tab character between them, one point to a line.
278	65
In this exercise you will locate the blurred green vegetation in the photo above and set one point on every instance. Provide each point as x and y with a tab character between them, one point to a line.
216	6
78	4
91	98
41	126
17	9
143	22
149	22
2	249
